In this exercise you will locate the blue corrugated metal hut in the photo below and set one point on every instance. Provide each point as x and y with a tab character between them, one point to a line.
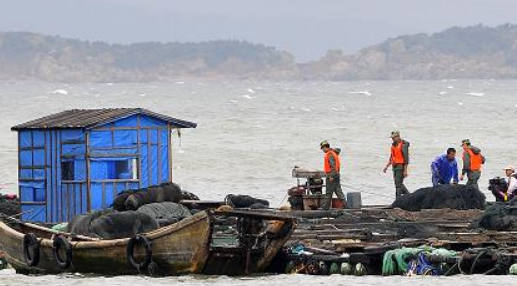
78	160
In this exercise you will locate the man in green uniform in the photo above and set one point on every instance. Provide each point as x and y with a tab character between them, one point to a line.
399	160
472	162
332	166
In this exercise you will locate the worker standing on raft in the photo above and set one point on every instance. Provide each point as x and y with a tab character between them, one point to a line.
332	168
472	161
512	183
399	160
445	168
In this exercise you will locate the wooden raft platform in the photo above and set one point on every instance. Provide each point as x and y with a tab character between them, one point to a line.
365	235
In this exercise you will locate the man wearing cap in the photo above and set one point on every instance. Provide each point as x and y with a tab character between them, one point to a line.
512	182
332	168
472	162
399	160
445	168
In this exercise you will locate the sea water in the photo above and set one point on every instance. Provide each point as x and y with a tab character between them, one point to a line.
251	134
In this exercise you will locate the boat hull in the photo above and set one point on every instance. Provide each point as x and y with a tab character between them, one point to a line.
186	247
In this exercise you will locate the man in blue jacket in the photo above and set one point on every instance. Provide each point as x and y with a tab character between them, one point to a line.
445	168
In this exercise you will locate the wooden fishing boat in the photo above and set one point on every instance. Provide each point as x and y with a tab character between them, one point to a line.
235	242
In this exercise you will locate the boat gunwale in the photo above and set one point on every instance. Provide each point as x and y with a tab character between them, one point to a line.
152	235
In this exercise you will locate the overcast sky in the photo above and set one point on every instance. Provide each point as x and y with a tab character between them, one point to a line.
306	28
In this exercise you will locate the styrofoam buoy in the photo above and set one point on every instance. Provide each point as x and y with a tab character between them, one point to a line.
513	269
334	268
346	268
360	269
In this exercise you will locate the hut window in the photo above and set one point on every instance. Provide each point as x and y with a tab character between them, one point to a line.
122	169
67	170
114	169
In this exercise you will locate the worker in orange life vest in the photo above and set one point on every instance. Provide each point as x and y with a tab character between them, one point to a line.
399	160
332	168
472	161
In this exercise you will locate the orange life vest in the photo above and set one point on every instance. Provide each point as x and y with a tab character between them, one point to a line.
476	160
327	167
397	157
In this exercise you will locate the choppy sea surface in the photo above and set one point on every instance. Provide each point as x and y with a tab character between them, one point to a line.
251	134
8	278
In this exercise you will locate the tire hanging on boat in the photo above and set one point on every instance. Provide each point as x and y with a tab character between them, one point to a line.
62	244
139	239
31	249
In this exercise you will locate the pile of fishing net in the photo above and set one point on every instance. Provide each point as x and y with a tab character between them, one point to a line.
499	216
9	208
110	224
245	201
459	197
9	204
166	192
415	261
165	213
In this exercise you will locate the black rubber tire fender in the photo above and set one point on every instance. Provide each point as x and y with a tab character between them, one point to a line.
139	239
31	249
61	242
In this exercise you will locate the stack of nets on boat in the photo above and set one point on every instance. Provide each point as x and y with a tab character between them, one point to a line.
165	213
459	197
110	224
9	205
166	192
499	216
135	211
245	201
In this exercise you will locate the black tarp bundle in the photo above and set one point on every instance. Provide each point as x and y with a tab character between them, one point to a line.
10	208
166	212
110	224
245	201
499	216
459	197
166	192
135	211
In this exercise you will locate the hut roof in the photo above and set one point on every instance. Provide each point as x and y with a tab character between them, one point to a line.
91	118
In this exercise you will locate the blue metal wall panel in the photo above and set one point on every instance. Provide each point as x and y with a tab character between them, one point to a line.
25	139
26	158
73	135
108	195
38	157
35	213
101	138
60	206
48	172
74	149
131	121
38	137
144	163
164	144
131	152
125	138
154	165
26	174
146	121
96	196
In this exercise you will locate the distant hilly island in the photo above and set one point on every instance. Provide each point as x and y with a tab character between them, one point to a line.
468	52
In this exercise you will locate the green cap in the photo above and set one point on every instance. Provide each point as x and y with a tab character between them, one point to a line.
395	134
324	143
465	141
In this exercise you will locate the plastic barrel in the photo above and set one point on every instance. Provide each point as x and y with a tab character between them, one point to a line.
353	200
